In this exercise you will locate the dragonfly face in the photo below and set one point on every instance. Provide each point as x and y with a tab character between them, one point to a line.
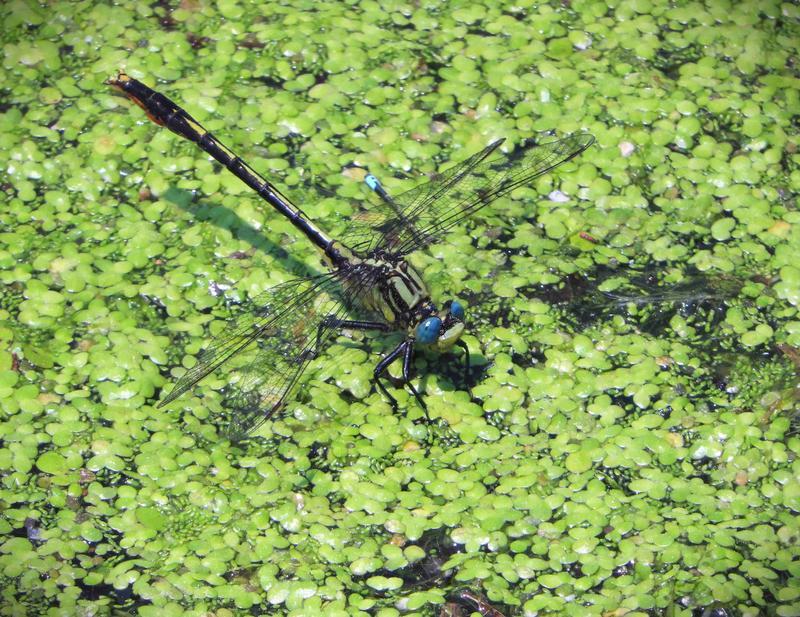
444	329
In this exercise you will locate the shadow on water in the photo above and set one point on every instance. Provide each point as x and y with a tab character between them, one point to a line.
642	297
431	572
639	294
703	312
651	302
227	219
468	602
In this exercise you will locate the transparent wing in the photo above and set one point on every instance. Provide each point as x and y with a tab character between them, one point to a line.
270	307
419	217
368	229
272	365
268	348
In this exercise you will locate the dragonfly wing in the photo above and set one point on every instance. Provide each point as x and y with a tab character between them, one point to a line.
384	222
267	349
272	365
485	182
424	213
270	308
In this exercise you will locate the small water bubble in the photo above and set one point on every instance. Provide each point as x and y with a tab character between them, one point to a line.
558	197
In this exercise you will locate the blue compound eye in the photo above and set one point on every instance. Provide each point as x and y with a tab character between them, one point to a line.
456	310
428	330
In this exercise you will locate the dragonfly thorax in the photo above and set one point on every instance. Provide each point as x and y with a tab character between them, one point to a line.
403	300
398	293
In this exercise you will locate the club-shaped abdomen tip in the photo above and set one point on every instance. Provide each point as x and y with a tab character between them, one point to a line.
119	80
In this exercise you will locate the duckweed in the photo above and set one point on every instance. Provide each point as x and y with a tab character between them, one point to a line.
630	443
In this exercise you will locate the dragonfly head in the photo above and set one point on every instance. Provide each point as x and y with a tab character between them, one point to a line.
442	329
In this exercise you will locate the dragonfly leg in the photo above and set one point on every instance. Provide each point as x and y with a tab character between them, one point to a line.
381	367
407	357
347	324
464	346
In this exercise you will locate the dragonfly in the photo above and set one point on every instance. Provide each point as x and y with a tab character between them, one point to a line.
369	284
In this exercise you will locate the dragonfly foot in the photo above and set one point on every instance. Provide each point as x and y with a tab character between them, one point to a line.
467	365
419	399
376	377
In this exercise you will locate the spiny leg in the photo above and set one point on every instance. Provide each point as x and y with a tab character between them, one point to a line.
347	324
407	357
406	348
467	366
382	366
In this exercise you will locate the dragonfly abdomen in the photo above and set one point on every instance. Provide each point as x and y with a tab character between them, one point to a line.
165	112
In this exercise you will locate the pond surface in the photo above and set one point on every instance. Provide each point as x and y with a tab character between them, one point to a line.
626	442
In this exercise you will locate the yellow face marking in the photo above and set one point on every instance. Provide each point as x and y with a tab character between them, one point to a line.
449	337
